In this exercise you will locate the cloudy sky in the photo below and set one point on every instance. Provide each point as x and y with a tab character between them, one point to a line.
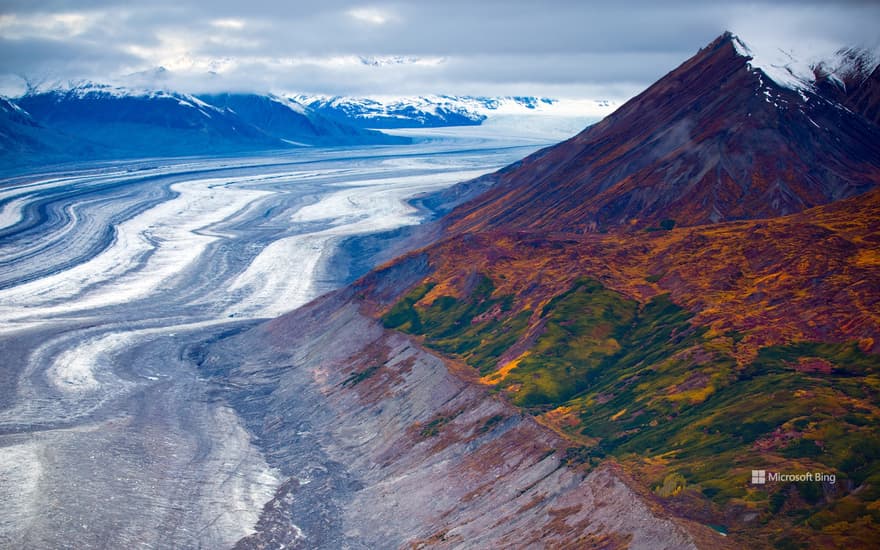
608	49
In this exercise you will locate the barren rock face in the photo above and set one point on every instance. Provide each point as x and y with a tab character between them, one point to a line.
385	447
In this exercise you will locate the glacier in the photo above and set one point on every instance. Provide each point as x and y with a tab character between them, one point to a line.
111	273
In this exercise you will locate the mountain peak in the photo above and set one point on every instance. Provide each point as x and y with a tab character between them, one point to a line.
714	140
780	65
726	46
727	38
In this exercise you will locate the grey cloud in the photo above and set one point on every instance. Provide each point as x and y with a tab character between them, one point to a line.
43	56
595	68
515	46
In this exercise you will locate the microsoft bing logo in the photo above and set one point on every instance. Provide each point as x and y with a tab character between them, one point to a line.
762	477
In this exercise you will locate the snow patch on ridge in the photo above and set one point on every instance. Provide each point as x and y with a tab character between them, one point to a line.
849	66
798	70
290	103
780	65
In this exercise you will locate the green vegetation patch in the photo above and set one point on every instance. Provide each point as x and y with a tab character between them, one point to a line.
403	315
600	344
583	327
477	329
807	406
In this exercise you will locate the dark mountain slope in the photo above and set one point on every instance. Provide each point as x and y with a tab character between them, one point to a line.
866	98
145	124
22	137
688	355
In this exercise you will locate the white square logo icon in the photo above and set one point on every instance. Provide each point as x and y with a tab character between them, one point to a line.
759	477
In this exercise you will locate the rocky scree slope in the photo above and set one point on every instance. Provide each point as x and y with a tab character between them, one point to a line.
386	445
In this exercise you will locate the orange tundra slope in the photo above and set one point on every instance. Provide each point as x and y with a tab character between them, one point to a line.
777	328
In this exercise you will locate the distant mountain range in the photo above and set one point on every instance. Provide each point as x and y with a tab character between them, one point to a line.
99	121
420	111
683	293
90	121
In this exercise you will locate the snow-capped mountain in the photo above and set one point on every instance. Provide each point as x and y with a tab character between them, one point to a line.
853	78
17	128
118	121
720	138
143	122
83	120
849	68
430	111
